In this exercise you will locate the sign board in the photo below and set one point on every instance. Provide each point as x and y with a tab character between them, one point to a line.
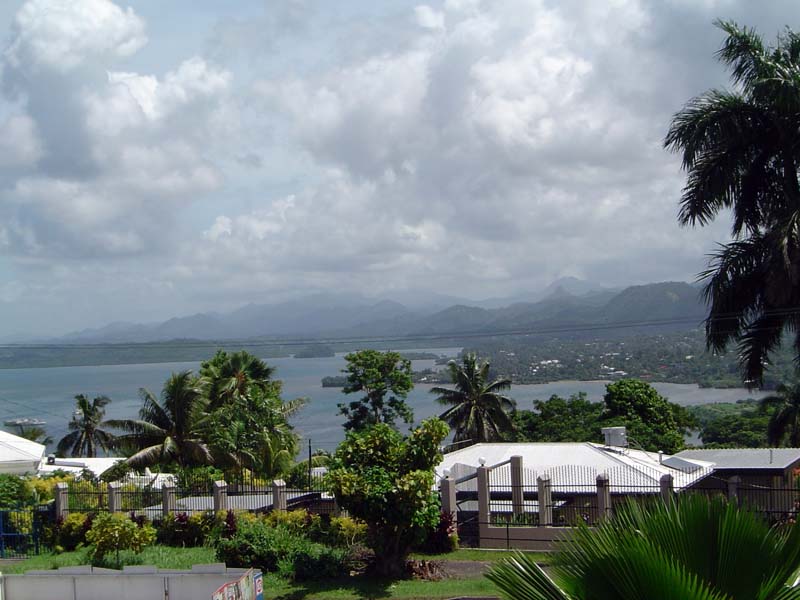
243	588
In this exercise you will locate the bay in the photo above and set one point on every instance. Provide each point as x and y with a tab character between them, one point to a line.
48	393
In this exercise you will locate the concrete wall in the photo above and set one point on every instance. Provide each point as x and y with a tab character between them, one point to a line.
132	583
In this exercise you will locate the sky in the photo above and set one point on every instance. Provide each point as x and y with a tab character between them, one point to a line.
165	158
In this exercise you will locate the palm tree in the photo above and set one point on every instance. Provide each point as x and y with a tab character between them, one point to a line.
478	412
741	151
692	549
35	434
784	424
227	376
86	435
168	430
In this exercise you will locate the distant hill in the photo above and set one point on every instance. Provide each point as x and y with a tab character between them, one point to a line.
566	306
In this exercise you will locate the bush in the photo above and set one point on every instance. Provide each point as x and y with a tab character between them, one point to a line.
70	532
188	531
279	549
442	538
15	491
115	532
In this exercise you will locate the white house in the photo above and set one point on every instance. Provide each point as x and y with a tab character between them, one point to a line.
19	456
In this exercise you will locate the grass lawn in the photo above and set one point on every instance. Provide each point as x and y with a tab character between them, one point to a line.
352	588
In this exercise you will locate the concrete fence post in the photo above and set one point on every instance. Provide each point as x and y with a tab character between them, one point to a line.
603	496
114	497
545	495
169	499
517	491
447	490
220	493
62	500
483	495
667	487
733	489
279	495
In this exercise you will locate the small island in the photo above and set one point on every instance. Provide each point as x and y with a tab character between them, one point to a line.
316	351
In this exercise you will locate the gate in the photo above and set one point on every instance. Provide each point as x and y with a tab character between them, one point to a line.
21	530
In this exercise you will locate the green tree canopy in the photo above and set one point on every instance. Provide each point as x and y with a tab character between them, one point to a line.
741	152
653	423
783	428
573	419
170	429
227	376
86	428
387	480
478	411
385	378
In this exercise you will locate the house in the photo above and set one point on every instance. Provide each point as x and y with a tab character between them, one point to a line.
19	456
77	465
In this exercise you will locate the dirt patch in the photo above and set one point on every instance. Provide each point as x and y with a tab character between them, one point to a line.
465	569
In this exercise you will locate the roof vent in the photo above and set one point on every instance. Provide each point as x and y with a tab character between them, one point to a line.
615	437
51	459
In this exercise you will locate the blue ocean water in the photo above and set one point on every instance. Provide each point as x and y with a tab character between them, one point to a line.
48	393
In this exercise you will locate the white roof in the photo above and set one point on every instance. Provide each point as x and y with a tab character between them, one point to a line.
18	455
745	458
97	465
573	467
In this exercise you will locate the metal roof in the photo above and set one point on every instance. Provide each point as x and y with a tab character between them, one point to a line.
572	467
745	458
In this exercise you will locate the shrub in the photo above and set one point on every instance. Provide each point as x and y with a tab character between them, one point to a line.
442	538
21	521
346	531
181	529
298	521
15	491
115	532
279	549
70	532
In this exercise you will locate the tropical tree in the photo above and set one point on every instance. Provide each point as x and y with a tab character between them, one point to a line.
741	151
86	428
36	434
478	411
692	549
228	376
784	423
385	379
170	429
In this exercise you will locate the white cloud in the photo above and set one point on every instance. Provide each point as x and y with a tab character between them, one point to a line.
62	34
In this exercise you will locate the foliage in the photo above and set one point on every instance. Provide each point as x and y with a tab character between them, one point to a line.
70	532
170	429
477	411
34	433
377	374
746	430
694	549
741	153
573	419
15	491
298	477
653	423
784	423
386	480
227	377
442	538
115	532
188	531
279	549
198	478
86	429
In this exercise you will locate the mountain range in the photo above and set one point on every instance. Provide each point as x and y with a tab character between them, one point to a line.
567	305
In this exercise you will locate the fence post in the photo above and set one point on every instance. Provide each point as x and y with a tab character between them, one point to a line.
220	492
545	500
517	491
603	496
62	499
447	490
169	499
114	498
279	495
733	489
667	485
483	495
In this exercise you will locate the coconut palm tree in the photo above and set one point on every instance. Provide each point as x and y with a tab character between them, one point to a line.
741	151
36	434
170	429
86	433
784	423
692	549
227	376
478	411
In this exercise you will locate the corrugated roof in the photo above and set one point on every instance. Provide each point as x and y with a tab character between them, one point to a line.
745	458
572	467
15	449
